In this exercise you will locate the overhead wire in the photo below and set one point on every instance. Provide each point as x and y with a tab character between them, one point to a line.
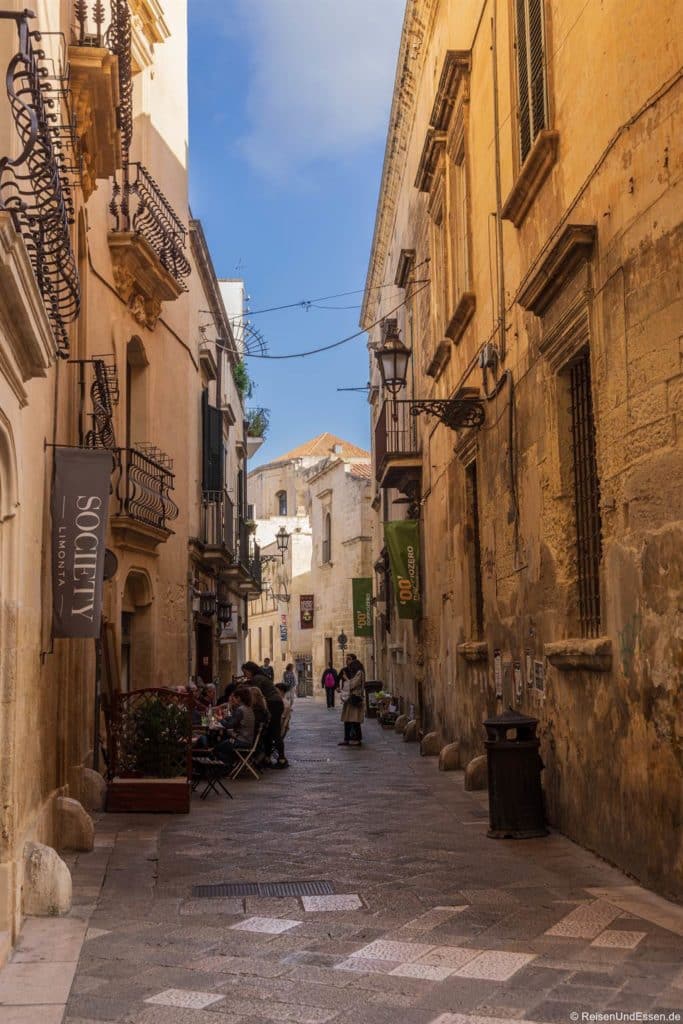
342	341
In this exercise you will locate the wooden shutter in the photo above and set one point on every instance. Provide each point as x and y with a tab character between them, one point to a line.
523	79
212	446
536	67
531	72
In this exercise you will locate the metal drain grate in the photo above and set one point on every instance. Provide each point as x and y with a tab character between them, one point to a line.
277	890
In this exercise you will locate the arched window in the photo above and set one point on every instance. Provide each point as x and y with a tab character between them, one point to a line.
281	499
327	538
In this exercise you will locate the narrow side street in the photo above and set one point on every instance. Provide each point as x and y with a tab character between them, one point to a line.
430	920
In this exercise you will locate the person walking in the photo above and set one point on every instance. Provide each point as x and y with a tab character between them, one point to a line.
330	684
353	697
268	670
273	735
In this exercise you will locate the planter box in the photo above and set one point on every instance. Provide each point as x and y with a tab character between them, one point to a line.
150	796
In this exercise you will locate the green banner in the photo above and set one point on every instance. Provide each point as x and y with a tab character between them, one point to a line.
402	540
362	606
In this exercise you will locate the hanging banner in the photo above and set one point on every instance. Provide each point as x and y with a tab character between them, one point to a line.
362	606
80	501
402	541
307	604
283	628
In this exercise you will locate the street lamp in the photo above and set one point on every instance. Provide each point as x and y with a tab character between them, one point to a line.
465	409
282	541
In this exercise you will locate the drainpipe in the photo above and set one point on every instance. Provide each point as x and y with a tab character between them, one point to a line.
499	198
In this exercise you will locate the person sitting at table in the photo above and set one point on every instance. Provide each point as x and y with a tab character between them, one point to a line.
238	727
227	693
262	718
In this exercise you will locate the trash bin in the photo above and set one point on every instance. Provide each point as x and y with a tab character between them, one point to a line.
372	686
514	769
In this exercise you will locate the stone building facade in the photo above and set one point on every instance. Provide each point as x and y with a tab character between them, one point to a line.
530	212
105	343
320	494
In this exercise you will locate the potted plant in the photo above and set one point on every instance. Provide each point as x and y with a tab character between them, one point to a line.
151	736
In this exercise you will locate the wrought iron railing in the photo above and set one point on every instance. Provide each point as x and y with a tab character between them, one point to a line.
35	186
139	205
217	524
108	26
145	484
248	552
395	433
104	395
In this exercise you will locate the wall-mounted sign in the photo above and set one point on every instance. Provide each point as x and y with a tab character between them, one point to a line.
307	606
498	673
362	606
229	631
80	503
402	540
283	628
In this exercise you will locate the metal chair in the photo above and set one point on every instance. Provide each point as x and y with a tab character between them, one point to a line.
245	757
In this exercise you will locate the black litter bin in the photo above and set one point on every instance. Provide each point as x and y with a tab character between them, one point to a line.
514	768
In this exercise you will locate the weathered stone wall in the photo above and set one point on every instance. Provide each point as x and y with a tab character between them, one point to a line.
613	772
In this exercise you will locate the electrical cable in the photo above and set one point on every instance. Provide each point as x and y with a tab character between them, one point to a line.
306	303
342	341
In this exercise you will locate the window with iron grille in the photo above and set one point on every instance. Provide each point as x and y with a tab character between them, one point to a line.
586	495
533	104
474	550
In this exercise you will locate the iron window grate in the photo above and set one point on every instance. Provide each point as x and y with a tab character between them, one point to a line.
586	496
274	890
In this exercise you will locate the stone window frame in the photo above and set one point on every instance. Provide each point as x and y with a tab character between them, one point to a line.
559	290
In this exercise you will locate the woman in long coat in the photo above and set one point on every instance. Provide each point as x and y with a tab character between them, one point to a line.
353	701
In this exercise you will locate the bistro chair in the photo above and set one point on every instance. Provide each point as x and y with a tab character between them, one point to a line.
246	758
209	769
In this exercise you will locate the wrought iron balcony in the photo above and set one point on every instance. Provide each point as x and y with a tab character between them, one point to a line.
146	482
139	207
217	526
397	448
36	183
248	565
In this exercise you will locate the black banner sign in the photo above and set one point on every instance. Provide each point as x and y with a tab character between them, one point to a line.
80	501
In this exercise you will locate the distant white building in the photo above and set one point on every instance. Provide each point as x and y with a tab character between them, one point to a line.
320	493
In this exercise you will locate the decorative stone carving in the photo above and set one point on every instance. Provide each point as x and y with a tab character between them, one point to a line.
47	882
139	277
95	90
476	773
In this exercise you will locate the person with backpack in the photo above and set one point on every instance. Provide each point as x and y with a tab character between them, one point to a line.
353	702
330	684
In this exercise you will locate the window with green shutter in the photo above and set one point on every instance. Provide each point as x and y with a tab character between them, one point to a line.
212	446
530	72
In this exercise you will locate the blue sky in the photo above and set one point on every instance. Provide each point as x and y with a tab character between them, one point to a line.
289	102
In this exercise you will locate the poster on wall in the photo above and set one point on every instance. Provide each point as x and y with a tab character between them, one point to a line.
402	540
80	503
283	629
362	606
307	603
229	631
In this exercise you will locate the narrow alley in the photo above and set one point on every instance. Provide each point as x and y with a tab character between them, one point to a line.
428	920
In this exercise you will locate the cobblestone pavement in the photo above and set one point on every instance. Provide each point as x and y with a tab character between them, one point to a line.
430	921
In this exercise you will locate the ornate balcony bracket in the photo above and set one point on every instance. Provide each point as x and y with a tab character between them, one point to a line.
95	90
140	279
466	409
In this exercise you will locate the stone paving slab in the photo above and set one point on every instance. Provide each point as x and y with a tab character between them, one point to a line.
430	921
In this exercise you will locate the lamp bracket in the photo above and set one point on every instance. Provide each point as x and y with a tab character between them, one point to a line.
466	409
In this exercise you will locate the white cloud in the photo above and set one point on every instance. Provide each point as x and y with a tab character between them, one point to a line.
320	80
